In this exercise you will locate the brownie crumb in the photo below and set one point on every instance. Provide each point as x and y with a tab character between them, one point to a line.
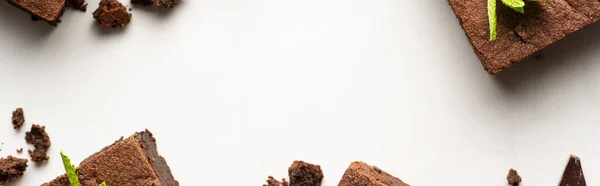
18	118
78	5
305	174
111	13
573	175
11	168
271	181
157	3
40	140
20	150
513	177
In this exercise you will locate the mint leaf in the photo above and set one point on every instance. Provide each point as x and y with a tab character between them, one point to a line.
102	184
517	5
71	170
492	18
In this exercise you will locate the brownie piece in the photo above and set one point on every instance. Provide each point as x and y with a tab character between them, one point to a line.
47	10
40	140
573	175
361	174
111	13
78	5
18	118
130	161
513	177
520	35
156	3
11	168
274	182
305	174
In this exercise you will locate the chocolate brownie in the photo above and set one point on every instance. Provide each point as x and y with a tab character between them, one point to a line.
361	174
513	177
40	140
130	161
573	175
521	34
274	182
18	118
11	168
156	3
305	174
111	13
47	10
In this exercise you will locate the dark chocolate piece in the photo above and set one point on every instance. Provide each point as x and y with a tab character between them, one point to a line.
305	174
47	10
573	175
361	174
111	13
274	182
521	35
78	5
130	161
18	118
513	177
40	140
11	168
157	3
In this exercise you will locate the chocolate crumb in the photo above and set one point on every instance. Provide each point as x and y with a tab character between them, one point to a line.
157	3
40	140
18	118
274	182
78	5
111	13
513	178
305	174
11	168
20	150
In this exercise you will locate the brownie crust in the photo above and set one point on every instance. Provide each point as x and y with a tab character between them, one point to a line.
361	174
521	35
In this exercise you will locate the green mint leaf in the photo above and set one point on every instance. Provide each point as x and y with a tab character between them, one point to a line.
71	170
102	184
517	5
492	18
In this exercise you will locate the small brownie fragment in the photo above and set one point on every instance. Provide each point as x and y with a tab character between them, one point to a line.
40	140
20	150
78	5
361	174
131	161
111	13
47	10
305	174
11	168
156	3
513	178
573	175
274	182
18	118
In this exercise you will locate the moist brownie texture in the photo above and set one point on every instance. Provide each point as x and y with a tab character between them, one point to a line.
520	35
11	168
305	174
133	161
111	13
573	175
273	182
156	3
48	10
513	177
361	174
18	118
40	140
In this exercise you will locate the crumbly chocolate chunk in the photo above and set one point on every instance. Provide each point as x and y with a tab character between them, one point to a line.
573	175
271	181
305	174
157	3
361	174
47	10
11	168
40	140
20	150
513	177
521	34
130	161
78	5
111	13
18	118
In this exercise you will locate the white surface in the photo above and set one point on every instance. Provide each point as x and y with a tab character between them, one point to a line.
235	90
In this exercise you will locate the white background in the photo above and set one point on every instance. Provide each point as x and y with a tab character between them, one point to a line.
235	90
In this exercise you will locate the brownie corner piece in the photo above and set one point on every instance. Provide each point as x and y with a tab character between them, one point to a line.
520	35
47	10
362	174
